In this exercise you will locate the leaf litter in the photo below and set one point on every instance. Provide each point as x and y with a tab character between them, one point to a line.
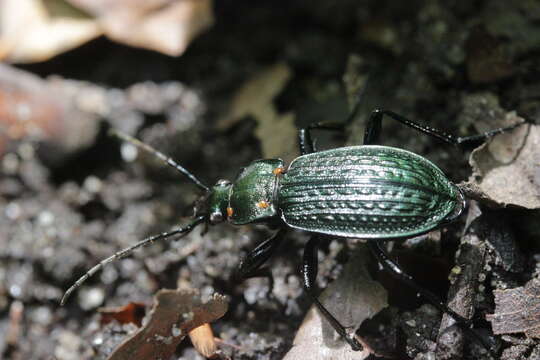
174	314
506	170
517	310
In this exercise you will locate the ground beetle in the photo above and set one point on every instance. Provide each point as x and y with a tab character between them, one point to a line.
370	192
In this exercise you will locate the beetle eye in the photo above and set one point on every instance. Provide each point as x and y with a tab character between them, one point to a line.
216	217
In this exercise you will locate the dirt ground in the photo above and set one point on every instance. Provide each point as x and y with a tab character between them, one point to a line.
239	93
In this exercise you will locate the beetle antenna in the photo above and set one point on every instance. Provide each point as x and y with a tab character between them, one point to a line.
124	252
160	155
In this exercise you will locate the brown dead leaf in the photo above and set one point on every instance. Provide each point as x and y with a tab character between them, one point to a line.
167	26
175	313
255	98
131	313
517	310
352	298
30	31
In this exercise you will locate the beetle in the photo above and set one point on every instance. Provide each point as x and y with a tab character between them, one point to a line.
370	191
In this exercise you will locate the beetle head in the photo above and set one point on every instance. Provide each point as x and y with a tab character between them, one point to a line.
218	201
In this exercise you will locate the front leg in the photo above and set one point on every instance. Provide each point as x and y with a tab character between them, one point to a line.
250	265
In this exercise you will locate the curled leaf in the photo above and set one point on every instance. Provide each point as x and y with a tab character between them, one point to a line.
175	313
506	170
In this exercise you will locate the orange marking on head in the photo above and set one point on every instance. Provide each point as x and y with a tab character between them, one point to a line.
263	204
278	170
230	211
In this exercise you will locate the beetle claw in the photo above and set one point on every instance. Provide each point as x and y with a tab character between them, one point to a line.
353	342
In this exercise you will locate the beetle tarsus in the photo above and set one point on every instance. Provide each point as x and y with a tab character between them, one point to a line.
373	129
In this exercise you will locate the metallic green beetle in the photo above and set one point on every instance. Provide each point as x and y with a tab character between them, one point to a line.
372	192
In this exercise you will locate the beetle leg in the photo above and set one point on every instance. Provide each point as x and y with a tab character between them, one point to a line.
373	130
309	275
473	139
249	266
395	270
384	259
305	140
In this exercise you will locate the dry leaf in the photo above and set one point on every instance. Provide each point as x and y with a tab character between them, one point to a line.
352	298
44	111
131	313
517	310
167	26
276	132
509	167
506	169
36	30
175	313
31	32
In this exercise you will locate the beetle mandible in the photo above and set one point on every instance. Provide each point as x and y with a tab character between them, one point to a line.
369	191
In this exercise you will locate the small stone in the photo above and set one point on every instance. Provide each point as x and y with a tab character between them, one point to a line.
91	298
